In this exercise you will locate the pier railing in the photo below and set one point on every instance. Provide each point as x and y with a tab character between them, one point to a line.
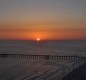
74	62
46	57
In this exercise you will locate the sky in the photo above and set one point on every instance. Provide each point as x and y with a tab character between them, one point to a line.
44	19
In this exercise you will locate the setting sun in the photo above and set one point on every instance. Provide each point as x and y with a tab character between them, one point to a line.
38	39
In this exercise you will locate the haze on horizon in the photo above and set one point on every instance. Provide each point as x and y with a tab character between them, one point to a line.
44	19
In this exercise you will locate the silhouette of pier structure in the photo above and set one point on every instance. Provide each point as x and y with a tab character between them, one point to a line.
74	62
46	57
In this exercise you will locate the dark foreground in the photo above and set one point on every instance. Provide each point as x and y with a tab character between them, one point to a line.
77	74
41	67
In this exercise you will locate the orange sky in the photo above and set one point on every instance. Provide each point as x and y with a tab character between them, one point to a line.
44	19
44	35
60	30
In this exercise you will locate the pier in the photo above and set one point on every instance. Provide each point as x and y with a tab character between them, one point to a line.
73	63
46	57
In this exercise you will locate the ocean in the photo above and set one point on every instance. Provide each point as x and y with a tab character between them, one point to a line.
44	47
26	69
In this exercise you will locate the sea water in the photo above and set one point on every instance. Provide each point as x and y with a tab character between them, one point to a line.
44	47
26	69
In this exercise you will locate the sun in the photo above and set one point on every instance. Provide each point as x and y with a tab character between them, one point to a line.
38	39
